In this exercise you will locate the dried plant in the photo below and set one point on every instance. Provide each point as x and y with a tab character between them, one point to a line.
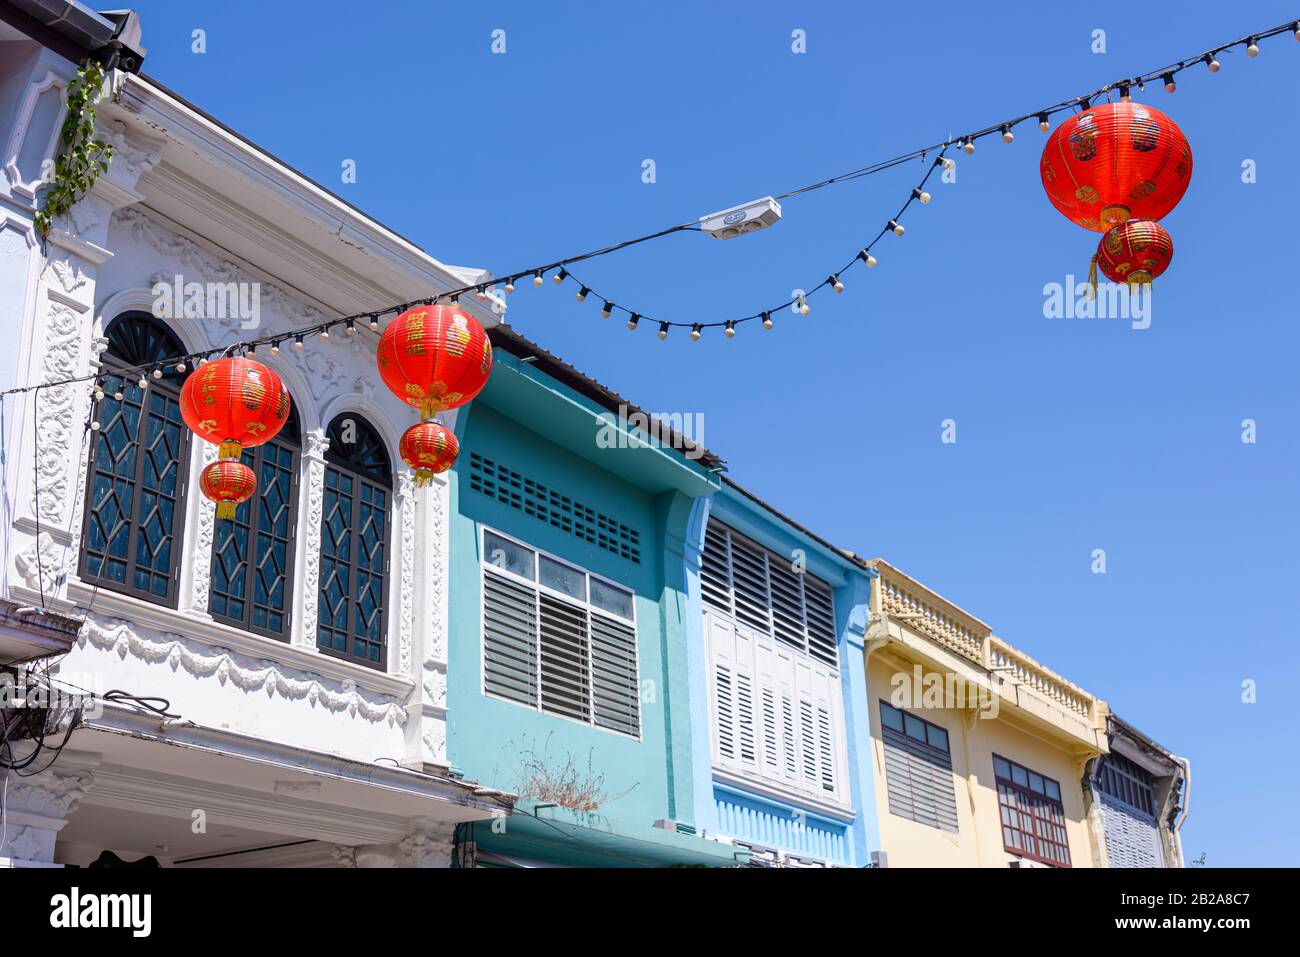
566	785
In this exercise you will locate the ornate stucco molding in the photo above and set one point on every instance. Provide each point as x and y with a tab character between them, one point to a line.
201	556
406	587
203	661
316	443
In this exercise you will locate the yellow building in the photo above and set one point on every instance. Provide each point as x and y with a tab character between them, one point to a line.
982	756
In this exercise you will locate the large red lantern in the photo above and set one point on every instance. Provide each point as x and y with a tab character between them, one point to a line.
235	403
429	449
1134	252
228	483
434	358
1114	162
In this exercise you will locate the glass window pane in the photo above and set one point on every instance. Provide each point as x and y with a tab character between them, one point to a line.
616	601
915	727
1019	775
1053	789
937	737
891	717
1001	768
1035	782
562	578
505	554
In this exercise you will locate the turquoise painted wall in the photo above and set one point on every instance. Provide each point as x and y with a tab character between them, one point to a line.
486	736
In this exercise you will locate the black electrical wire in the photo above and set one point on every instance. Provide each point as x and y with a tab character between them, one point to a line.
452	295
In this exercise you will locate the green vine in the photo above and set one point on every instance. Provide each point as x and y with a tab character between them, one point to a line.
81	157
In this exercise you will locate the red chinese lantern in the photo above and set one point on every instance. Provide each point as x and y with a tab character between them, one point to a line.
235	403
1134	252
429	449
228	483
1115	162
434	358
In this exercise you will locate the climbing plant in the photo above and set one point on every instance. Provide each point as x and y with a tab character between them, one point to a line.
81	157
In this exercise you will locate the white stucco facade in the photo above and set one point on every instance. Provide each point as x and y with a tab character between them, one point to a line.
291	755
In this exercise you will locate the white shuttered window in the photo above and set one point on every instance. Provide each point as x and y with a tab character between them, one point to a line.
557	638
762	590
776	704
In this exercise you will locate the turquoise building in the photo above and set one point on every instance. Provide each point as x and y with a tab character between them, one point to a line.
643	700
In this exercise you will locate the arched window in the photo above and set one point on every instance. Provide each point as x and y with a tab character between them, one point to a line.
252	554
134	508
354	542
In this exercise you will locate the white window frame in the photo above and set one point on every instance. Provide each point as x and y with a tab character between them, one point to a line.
536	584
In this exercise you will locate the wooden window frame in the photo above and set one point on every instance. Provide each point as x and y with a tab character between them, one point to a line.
341	464
113	368
254	523
1031	799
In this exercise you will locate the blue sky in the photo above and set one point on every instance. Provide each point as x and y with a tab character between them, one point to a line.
1072	435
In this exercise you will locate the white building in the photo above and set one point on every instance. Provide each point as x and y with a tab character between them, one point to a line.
303	645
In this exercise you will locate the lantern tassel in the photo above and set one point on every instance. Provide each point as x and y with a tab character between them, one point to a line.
226	510
423	478
229	449
429	407
1092	279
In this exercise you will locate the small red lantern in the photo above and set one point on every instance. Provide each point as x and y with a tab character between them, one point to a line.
1135	252
1115	162
235	403
434	358
429	449
228	483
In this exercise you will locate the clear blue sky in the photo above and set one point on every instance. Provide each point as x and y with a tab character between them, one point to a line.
1072	435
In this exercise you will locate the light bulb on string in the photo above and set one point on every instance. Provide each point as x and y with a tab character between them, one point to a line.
561	276
896	227
804	308
275	347
143	383
1123	93
99	392
180	366
119	395
537	278
1212	63
157	373
1044	123
607	309
921	196
94	426
969	146
867	258
767	320
510	287
297	343
374	322
696	329
1170	85
729	330
949	164
325	333
632	321
1007	135
1253	49
582	294
835	283
351	328
663	330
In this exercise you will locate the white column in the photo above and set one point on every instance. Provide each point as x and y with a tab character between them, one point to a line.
36	808
311	505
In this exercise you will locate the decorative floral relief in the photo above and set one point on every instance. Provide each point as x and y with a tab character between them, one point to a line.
55	413
406	501
242	672
41	564
202	558
69	275
317	443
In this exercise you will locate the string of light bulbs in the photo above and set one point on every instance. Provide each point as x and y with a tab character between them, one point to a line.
296	339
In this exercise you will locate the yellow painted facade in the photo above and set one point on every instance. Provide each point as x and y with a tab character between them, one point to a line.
934	661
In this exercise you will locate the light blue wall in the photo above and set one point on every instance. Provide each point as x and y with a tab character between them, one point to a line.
733	810
649	778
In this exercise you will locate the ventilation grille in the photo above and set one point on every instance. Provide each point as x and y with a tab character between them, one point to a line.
512	489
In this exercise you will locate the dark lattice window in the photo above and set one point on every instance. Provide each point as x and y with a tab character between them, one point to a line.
1033	818
134	508
252	554
354	542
